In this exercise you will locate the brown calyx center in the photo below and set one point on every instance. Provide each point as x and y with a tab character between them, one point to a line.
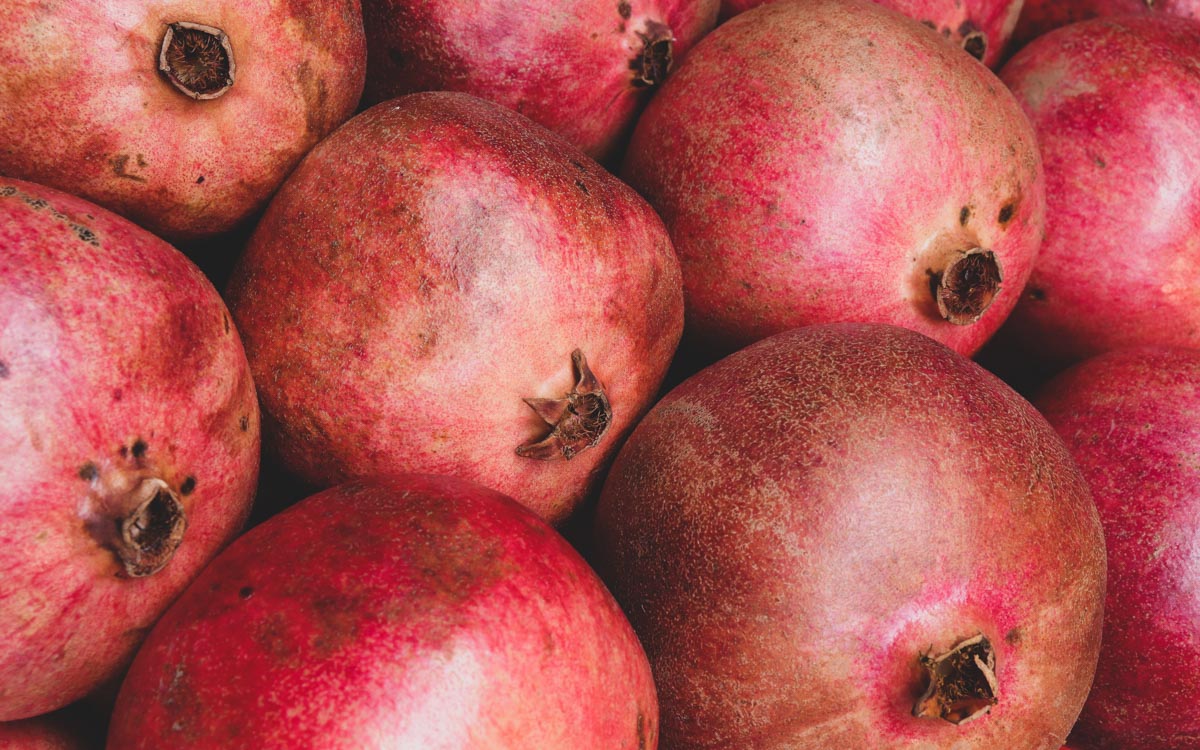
967	286
197	59
579	419
143	526
651	65
962	682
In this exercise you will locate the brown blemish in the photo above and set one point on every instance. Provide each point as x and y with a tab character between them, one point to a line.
1006	213
197	60
120	167
962	682
1013	636
583	187
188	486
653	63
139	448
1036	294
4	372
88	472
965	289
624	9
244	422
245	592
964	215
200	180
641	731
579	419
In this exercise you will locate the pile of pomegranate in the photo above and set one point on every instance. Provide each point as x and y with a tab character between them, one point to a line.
600	375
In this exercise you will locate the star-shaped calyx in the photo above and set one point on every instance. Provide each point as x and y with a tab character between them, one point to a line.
579	419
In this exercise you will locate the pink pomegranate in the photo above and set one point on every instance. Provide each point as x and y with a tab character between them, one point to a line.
582	68
1040	16
981	27
445	287
1132	420
792	157
424	612
183	116
128	440
1115	103
848	536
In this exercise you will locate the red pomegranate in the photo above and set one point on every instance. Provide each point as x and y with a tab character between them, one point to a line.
1116	104
1040	16
128	440
981	27
1132	420
582	68
183	116
848	536
444	287
793	155
422	612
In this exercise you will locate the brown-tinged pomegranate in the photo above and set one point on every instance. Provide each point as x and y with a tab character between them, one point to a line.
848	536
831	160
423	612
1132	421
582	68
129	440
183	116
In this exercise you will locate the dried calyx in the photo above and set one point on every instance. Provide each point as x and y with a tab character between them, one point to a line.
967	286
962	682
142	526
651	65
197	59
579	418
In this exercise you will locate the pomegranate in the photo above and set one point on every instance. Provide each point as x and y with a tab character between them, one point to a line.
1116	104
1132	420
444	287
1040	16
183	116
582	68
128	440
848	536
420	612
981	27
791	156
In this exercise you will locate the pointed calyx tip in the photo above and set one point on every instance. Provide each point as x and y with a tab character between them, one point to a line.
651	65
579	418
962	682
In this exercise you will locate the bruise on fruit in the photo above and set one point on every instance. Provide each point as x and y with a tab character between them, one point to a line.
962	682
579	419
651	66
967	286
143	525
197	59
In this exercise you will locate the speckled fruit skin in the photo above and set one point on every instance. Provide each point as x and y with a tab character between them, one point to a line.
85	108
429	266
571	66
118	362
792	528
956	20
1116	103
1132	420
1040	16
815	161
422	612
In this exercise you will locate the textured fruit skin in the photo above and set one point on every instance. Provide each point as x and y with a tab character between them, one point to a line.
790	156
791	528
1116	104
86	109
424	612
1132	421
955	20
118	361
565	65
426	268
1041	16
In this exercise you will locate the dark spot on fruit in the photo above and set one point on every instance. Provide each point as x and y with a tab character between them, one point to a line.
1099	161
188	486
117	394
1006	213
245	592
86	235
7	191
579	184
964	215
930	24
139	448
641	731
120	167
244	422
625	9
3	370
88	472
124	451
200	180
225	318
37	204
578	164
1036	294
1013	636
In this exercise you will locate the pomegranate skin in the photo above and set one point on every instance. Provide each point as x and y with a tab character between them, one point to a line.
120	374
40	733
1115	103
422	612
981	27
575	67
1041	16
790	157
791	529
87	110
1132	420
429	267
